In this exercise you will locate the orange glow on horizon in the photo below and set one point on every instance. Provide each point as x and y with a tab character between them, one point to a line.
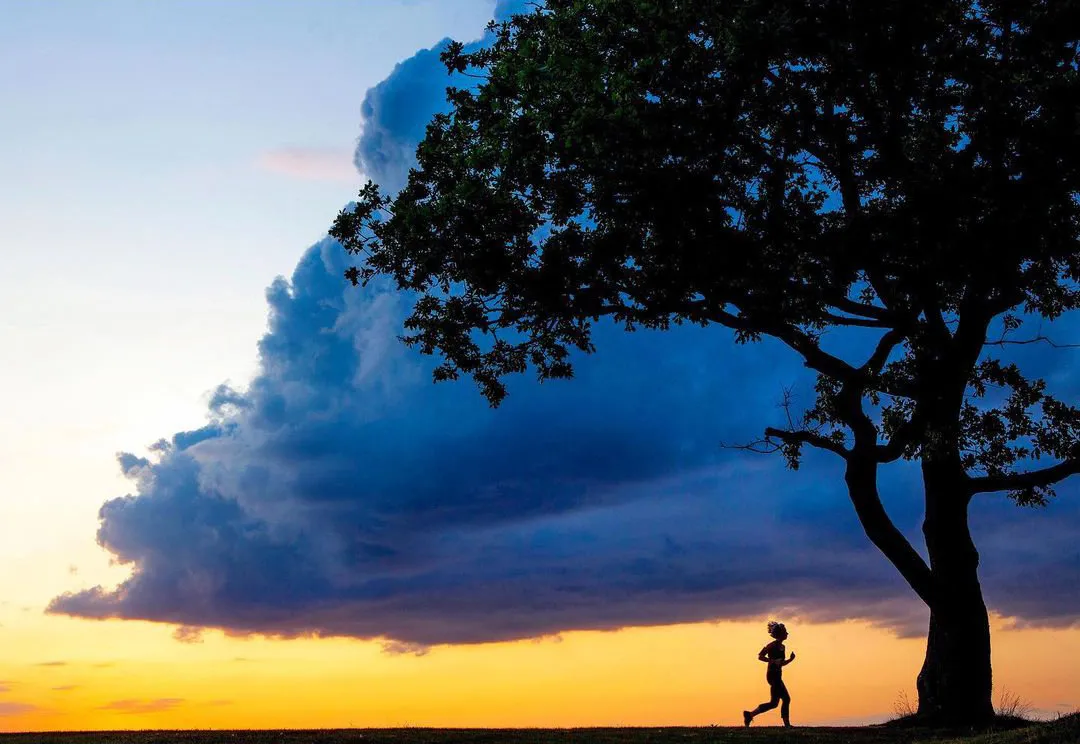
66	674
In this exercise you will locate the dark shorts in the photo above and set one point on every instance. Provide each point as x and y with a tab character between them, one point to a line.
777	688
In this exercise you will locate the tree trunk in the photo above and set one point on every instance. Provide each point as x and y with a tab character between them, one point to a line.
955	683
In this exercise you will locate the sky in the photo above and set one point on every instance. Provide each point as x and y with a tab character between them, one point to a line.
230	498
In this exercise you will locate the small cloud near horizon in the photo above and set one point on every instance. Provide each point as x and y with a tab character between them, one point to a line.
188	634
51	663
65	688
14	709
402	648
157	705
311	163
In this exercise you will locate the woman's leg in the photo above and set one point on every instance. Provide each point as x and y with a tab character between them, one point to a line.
773	702
785	708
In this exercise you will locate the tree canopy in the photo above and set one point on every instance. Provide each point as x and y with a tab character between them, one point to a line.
778	167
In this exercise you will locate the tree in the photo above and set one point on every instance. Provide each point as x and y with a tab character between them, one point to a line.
782	168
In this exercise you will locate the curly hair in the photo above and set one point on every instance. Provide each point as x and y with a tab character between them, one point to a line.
776	629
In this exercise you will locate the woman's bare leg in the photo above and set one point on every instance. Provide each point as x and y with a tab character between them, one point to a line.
785	708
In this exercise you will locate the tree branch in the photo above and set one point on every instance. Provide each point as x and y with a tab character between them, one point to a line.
807	437
935	319
816	358
861	478
906	434
853	307
813	355
879	282
889	341
1006	301
839	167
1030	479
1024	342
843	320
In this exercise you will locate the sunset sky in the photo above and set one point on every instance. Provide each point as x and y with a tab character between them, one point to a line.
230	498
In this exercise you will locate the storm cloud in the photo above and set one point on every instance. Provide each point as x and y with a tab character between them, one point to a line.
342	493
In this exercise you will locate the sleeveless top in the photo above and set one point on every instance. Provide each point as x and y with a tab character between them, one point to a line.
774	652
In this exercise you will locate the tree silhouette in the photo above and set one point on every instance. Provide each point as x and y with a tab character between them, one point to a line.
780	168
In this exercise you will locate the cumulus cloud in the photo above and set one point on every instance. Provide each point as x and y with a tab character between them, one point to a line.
342	493
130	465
310	163
396	112
142	706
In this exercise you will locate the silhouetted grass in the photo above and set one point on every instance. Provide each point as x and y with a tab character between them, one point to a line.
1063	731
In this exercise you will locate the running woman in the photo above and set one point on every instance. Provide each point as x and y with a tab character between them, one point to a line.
773	655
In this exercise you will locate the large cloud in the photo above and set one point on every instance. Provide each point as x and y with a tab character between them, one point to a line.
343	493
396	112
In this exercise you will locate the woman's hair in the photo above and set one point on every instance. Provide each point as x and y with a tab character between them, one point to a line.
776	629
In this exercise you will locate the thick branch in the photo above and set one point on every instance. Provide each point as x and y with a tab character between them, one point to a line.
903	437
883	288
889	341
853	307
861	477
849	404
934	318
808	437
1006	301
1030	479
967	347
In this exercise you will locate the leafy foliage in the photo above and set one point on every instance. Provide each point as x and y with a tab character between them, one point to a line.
781	168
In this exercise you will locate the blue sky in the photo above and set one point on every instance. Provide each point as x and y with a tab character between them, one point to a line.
160	163
330	488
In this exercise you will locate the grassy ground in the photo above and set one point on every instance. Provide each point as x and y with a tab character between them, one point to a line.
1063	731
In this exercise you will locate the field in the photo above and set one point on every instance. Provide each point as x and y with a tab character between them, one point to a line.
1064	731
